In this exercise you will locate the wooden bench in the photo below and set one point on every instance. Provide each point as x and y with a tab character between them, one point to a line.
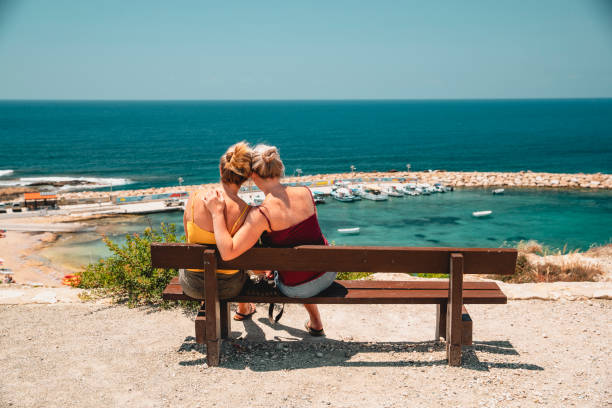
453	322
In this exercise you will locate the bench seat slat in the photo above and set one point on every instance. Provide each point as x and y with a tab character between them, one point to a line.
341	293
418	284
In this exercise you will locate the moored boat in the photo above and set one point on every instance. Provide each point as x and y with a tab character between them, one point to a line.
480	214
349	231
342	194
373	193
393	191
498	191
318	198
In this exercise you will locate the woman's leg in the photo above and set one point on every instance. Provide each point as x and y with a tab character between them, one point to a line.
315	317
246	308
307	290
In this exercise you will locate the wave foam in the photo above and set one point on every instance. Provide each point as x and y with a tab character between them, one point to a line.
6	172
67	183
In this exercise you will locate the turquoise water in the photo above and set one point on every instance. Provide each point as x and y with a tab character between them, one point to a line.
151	144
577	219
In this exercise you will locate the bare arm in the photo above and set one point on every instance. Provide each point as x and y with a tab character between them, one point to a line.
247	236
187	206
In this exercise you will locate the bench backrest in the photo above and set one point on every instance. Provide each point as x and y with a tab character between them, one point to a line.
499	261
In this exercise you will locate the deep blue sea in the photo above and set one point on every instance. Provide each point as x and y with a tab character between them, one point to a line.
154	143
150	144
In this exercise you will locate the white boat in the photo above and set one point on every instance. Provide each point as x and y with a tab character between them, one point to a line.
482	213
349	231
393	191
342	194
424	189
439	188
498	191
410	189
373	193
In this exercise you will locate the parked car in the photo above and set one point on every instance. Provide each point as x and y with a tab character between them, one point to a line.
3	208
17	207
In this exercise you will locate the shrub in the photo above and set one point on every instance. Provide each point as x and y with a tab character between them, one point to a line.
127	274
352	275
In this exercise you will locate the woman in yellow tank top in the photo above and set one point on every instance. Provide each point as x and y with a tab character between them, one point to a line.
235	169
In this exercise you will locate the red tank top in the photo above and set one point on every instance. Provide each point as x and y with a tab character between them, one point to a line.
307	232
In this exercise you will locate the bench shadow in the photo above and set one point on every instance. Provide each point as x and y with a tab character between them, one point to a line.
290	353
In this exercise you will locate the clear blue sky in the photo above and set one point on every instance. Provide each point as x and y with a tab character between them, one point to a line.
56	49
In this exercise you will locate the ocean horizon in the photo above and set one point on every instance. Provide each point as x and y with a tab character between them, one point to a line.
141	144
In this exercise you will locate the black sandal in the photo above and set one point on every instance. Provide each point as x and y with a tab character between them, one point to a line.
313	332
245	316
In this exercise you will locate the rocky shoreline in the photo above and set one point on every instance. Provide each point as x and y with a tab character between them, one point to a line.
458	179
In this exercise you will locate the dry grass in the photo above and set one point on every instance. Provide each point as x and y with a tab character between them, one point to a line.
530	247
536	263
604	251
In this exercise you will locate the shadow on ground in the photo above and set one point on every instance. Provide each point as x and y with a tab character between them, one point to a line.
299	350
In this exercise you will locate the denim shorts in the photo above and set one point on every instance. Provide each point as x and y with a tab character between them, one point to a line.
307	289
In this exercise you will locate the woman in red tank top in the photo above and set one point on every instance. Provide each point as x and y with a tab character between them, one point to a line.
286	218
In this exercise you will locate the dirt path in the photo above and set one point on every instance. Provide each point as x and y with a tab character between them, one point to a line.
526	353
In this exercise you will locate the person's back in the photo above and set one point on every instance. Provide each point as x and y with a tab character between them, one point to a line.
197	220
234	168
288	207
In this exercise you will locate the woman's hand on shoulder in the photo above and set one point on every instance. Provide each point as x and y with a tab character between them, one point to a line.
214	201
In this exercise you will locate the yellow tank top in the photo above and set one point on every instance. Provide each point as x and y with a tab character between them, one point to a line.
197	235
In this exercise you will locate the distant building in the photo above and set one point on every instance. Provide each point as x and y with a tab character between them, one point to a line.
35	201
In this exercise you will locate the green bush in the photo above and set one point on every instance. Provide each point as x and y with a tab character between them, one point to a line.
127	274
353	275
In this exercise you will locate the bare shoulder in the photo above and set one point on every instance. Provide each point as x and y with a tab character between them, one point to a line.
190	202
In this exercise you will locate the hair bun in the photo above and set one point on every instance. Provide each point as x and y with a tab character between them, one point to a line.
237	161
270	154
267	162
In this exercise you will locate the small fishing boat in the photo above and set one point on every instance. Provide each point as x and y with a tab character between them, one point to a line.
342	194
439	188
498	191
373	193
393	191
349	231
482	213
318	198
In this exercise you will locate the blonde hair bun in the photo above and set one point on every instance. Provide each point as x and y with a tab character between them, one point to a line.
236	164
267	162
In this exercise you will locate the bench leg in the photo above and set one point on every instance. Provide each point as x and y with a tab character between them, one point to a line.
454	324
213	309
200	325
226	321
466	330
440	321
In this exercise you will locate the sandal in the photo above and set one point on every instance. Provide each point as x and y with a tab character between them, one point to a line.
313	332
245	316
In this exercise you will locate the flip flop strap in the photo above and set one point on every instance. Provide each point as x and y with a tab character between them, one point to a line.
271	313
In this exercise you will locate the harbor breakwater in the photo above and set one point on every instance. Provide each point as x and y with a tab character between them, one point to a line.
522	179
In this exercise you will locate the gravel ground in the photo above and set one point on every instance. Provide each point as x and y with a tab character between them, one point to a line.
525	353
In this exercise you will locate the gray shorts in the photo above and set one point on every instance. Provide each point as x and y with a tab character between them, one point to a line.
228	285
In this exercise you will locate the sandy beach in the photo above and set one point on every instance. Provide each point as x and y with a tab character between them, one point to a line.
525	354
19	251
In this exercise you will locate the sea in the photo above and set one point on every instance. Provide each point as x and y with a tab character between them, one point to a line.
137	144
